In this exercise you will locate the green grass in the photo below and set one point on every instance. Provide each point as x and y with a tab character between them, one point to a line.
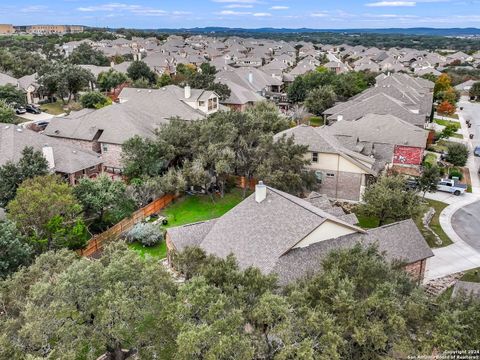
472	275
458	136
370	222
430	159
55	108
448	122
194	208
158	251
316	121
440	146
367	222
434	224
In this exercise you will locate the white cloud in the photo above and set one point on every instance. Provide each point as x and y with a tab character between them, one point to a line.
279	8
262	14
238	6
391	3
233	12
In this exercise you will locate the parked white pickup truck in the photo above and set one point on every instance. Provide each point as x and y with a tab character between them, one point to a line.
451	186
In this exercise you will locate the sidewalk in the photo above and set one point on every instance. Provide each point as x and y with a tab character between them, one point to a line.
459	256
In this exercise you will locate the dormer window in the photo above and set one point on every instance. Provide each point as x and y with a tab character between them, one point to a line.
201	103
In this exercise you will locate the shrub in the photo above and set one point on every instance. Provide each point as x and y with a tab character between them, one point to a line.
457	154
454	172
94	100
147	234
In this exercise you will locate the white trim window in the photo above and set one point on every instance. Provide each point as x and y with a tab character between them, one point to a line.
315	157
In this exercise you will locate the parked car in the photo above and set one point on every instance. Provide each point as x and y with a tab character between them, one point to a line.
33	109
42	125
451	186
476	151
20	110
411	184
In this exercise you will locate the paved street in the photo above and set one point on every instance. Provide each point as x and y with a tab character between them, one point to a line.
461	219
466	223
471	111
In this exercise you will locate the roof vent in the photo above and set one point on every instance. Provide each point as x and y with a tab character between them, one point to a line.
339	117
19	129
260	192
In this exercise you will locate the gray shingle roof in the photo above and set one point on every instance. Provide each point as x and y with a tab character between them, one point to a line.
264	235
68	158
399	241
387	129
140	113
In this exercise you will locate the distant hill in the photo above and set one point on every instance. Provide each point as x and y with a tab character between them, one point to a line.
399	31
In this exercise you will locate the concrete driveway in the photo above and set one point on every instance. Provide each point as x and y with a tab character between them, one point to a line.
36	117
466	223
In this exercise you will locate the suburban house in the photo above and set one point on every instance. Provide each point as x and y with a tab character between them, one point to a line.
139	112
387	138
341	173
282	234
70	161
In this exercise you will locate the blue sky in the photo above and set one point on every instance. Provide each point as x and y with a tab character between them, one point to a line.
324	14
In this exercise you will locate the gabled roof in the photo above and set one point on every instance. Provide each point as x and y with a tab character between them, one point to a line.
387	129
68	158
259	233
320	140
140	112
380	104
265	235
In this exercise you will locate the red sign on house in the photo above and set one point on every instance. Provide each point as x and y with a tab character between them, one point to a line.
407	155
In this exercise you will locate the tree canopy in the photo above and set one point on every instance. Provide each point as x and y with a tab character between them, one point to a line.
358	307
31	164
46	211
84	54
388	200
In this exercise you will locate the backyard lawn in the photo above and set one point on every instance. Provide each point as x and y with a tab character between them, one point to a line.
187	210
194	208
316	121
157	251
431	159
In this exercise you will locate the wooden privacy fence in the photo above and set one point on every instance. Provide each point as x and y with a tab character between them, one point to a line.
97	243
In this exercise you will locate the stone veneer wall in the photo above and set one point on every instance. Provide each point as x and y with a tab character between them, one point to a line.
417	269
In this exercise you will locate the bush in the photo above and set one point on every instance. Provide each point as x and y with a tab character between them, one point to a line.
147	234
94	100
457	154
454	172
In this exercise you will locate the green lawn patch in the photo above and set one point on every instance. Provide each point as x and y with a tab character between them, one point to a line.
457	135
367	222
158	251
55	108
430	159
194	208
448	122
472	275
316	121
434	224
440	146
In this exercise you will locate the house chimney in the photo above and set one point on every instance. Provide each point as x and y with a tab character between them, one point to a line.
188	92
250	77
339	117
48	155
260	192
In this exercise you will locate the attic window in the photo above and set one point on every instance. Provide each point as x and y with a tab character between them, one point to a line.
201	103
315	157
330	175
